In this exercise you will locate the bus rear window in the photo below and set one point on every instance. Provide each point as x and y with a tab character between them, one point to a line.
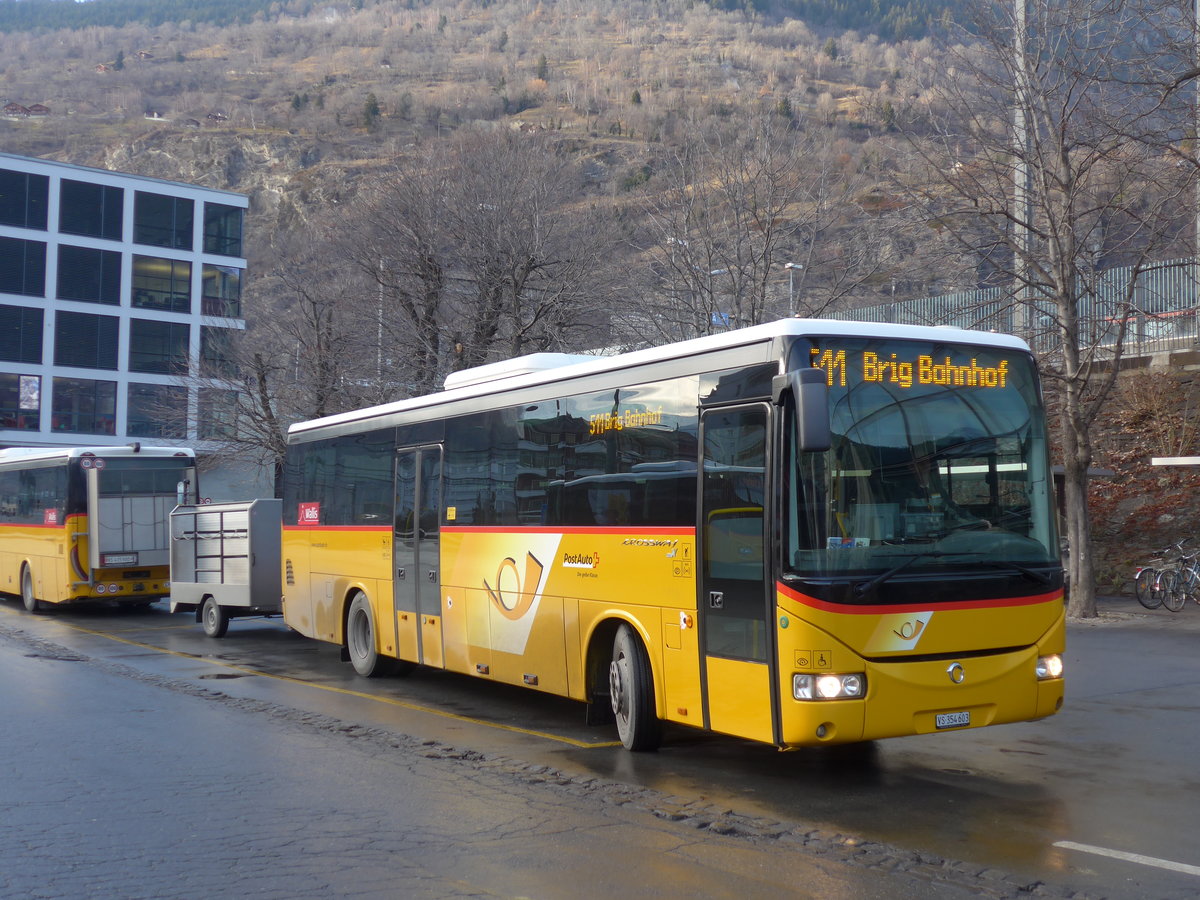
117	480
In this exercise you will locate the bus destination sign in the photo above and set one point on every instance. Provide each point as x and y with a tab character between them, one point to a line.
923	369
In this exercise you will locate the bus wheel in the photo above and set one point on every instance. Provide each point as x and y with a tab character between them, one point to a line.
30	601
631	690
214	618
360	639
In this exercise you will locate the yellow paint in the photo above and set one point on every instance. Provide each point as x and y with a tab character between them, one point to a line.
527	606
47	551
905	696
739	695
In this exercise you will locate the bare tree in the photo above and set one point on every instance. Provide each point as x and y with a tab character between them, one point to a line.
1039	163
480	249
308	352
730	212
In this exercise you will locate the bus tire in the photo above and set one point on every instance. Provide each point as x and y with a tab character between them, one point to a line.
27	596
360	639
631	691
214	618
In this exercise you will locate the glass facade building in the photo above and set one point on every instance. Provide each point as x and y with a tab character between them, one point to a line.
113	289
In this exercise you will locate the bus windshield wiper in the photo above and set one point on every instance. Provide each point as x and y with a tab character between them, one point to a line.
861	590
1039	577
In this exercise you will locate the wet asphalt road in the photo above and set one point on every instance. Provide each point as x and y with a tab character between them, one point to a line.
210	748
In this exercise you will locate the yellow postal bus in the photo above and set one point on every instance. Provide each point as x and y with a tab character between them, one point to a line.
89	524
805	532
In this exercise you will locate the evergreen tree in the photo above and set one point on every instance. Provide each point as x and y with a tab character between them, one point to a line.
370	111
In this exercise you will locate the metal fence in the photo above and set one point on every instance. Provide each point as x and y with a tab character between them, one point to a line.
1161	314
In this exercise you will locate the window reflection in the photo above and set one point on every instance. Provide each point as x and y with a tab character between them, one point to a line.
84	407
164	284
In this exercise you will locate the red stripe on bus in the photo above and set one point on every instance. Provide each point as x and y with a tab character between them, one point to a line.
878	609
387	528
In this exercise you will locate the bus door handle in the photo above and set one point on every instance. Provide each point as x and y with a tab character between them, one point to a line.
400	574
433	576
716	599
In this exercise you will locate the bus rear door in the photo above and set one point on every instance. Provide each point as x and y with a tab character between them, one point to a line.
416	555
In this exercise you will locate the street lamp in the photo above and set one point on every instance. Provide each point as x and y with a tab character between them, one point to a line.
792	269
720	318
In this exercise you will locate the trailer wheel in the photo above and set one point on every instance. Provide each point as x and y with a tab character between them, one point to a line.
214	618
31	602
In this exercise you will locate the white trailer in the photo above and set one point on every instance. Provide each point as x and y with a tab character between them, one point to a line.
225	561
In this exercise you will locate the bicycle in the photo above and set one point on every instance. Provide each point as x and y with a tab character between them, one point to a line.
1184	583
1152	583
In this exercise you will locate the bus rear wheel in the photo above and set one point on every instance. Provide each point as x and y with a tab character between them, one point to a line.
631	691
214	618
27	597
360	640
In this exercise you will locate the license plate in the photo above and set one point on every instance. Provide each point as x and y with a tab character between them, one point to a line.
953	720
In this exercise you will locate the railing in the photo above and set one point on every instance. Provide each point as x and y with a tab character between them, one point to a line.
1163	314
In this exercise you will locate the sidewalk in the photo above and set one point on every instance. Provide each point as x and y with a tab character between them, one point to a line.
1125	610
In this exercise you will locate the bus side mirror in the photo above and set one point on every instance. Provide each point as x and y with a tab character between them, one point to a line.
810	393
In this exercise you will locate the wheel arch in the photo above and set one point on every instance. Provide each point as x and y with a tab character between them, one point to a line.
599	654
352	590
198	611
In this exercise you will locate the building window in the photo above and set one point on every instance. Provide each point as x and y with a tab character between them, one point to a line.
84	407
20	401
216	352
164	284
88	275
222	291
162	221
21	334
218	414
22	267
94	210
156	411
85	341
158	347
23	199
222	229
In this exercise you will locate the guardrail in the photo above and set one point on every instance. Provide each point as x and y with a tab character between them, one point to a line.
1164	313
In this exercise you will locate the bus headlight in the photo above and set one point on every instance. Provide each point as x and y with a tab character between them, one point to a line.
829	687
1049	667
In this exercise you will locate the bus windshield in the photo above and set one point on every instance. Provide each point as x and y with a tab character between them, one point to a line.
939	461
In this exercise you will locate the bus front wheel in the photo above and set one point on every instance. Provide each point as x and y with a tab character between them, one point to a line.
214	618
631	691
27	597
360	639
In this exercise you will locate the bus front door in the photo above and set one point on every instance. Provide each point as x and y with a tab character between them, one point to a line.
733	605
416	555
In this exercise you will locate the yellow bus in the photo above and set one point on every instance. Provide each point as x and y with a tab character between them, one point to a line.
89	524
806	532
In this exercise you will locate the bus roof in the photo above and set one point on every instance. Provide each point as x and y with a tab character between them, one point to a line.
548	368
37	454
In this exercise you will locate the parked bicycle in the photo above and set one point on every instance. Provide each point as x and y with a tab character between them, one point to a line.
1153	582
1184	583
